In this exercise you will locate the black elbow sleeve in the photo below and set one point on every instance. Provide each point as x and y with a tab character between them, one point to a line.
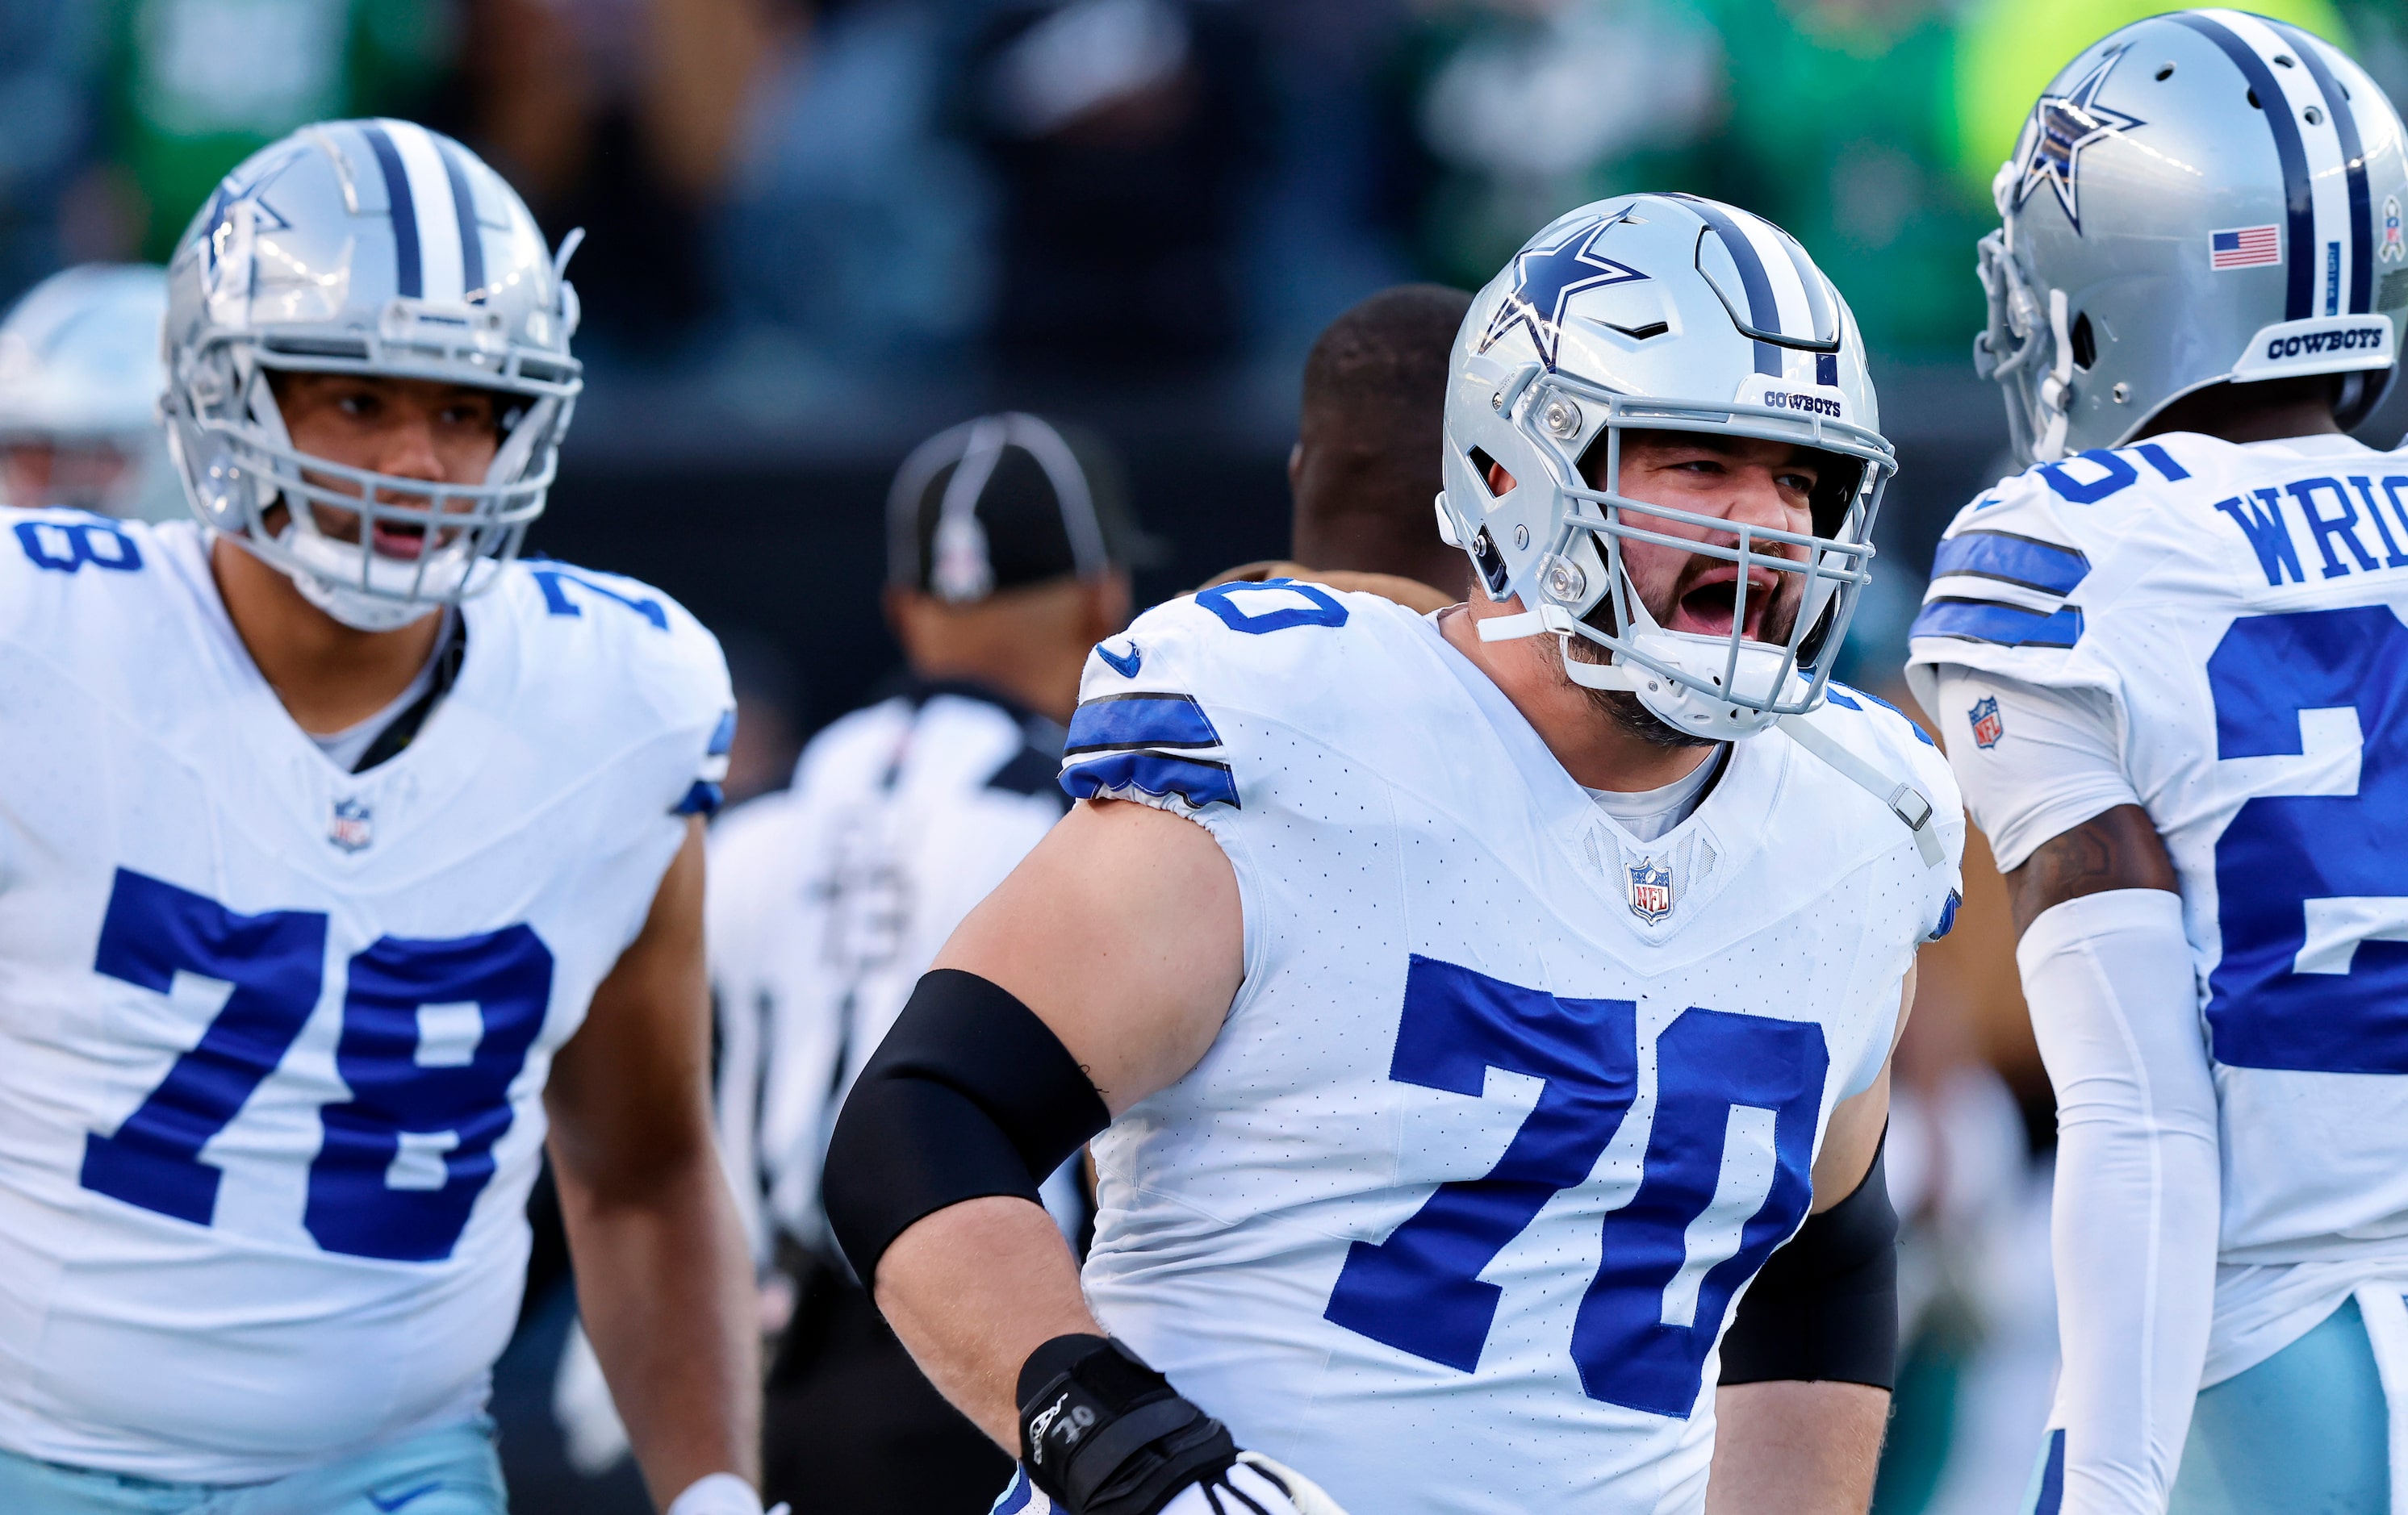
970	1094
1825	1308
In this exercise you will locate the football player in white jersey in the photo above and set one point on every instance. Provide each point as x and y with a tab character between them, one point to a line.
1005	565
2169	659
79	382
344	862
1471	1004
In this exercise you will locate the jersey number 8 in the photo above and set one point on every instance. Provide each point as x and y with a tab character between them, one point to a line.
433	1035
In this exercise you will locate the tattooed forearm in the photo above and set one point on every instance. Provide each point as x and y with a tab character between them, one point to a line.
2117	849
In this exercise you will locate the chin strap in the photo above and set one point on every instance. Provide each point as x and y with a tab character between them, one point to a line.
1555	619
2053	390
1546	617
1901	799
1598	675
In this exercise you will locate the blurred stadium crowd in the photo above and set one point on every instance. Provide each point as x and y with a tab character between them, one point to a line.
909	188
819	231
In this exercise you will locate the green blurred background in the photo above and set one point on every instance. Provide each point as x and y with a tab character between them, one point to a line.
820	230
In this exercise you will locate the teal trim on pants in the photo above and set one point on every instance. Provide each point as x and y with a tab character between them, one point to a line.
2306	1431
453	1471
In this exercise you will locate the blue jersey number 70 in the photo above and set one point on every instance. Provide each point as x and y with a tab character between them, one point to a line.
434	1032
1656	1303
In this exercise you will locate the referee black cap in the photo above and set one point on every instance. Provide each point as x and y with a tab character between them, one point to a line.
1000	501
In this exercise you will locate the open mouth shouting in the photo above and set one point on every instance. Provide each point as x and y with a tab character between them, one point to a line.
1706	601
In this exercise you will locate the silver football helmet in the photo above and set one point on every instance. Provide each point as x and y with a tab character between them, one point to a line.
368	247
2198	198
1661	312
79	382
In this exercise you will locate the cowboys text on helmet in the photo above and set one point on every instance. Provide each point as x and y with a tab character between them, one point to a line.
2198	198
1637	316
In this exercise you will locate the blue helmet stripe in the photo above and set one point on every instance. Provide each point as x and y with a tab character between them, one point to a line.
463	208
2353	157
399	209
2299	248
1763	310
1818	306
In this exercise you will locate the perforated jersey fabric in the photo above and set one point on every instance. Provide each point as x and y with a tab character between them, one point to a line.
2234	614
1512	1104
277	1034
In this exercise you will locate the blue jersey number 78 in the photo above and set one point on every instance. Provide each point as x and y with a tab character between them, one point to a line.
403	1160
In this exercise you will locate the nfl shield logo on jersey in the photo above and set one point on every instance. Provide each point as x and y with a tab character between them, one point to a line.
1987	727
352	826
1651	891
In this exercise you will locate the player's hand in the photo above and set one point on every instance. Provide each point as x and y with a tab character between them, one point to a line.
1253	1485
1101	1433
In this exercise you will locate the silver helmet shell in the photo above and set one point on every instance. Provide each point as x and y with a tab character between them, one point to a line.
2200	197
80	369
367	247
1666	313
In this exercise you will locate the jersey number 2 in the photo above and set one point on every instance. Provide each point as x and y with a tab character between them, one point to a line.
2313	889
1710	1207
434	1032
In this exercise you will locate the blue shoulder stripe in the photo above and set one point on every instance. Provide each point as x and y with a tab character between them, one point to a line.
1196	781
2010	559
1848	699
2006	625
1117	722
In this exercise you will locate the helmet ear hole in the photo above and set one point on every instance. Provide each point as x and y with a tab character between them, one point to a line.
1835	487
2086	342
1811	646
2357	395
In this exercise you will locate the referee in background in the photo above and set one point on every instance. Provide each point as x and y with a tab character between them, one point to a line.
1008	559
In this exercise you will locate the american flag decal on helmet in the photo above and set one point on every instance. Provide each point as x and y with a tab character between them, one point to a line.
2245	246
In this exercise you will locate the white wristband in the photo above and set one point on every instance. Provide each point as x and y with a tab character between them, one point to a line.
719	1493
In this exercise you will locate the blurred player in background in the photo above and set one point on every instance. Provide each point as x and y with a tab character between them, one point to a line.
1007	560
1471	1004
1364	473
2170	663
344	860
80	384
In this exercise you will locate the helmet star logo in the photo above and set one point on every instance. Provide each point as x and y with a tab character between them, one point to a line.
1545	279
229	193
2067	123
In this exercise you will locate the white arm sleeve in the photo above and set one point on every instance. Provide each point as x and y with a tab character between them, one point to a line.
2133	1232
2055	758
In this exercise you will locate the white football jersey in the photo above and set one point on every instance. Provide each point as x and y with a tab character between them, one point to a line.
273	1035
1511	1105
2239	609
828	900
